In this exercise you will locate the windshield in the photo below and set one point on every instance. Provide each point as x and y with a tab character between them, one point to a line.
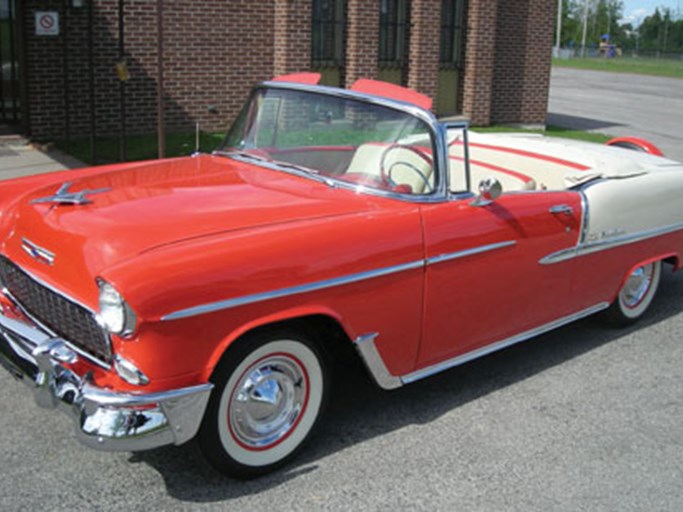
346	139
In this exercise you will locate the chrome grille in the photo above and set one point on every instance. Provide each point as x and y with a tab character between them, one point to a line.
65	318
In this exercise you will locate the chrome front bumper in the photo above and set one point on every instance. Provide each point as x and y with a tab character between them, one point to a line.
105	420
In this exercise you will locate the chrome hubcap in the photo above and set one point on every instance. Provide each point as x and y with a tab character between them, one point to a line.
268	401
637	286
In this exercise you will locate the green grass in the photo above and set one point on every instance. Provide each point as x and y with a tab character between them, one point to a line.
139	147
641	66
550	131
337	137
144	147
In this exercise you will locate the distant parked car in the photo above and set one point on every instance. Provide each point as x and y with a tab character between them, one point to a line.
160	301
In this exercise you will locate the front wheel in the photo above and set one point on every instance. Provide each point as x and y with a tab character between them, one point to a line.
269	395
636	294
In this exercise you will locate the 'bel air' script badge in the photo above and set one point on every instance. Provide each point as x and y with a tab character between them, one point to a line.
63	196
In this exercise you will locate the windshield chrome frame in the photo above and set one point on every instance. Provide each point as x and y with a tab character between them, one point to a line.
438	132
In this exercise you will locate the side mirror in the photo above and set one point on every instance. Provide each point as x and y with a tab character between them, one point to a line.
490	189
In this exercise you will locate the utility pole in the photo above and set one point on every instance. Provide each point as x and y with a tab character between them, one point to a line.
609	19
585	28
559	27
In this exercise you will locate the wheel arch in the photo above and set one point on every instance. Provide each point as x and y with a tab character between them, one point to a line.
325	328
671	257
636	143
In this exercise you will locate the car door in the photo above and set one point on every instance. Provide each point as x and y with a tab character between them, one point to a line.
484	279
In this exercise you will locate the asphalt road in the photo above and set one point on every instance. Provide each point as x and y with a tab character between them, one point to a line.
584	418
620	104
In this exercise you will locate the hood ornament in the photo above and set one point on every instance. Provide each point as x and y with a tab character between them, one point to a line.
63	196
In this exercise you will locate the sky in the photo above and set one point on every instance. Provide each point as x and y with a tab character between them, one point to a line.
636	10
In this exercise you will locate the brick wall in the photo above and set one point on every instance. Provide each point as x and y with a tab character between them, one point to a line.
212	56
423	51
479	60
292	36
44	73
215	52
522	62
362	43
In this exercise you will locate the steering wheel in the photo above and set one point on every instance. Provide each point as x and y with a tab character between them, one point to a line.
386	173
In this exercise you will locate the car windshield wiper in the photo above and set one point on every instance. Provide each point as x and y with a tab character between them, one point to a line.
300	170
305	171
296	167
237	152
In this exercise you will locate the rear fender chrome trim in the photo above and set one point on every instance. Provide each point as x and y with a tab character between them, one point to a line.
373	360
583	249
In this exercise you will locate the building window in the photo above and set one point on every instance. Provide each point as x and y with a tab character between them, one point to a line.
393	32
327	35
10	110
452	15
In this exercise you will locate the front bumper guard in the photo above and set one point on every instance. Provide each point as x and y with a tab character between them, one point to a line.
105	420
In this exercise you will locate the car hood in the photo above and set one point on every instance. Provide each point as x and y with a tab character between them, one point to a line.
134	209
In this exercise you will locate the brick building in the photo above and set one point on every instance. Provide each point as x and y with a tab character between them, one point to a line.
486	59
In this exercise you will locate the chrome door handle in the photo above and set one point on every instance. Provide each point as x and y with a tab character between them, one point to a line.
561	208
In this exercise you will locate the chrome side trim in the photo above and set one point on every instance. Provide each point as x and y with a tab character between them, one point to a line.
470	252
559	256
475	354
583	249
293	290
375	364
328	283
585	217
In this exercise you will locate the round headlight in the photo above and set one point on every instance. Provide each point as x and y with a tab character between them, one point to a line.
115	314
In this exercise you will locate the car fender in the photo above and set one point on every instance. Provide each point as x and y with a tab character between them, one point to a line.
637	144
264	321
660	257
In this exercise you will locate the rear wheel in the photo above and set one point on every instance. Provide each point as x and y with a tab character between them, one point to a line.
636	294
269	395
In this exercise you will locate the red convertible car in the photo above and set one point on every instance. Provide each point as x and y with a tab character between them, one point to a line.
205	296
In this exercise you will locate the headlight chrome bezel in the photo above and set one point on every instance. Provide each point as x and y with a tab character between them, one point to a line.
115	315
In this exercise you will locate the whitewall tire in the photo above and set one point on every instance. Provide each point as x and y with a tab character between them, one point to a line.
270	392
636	294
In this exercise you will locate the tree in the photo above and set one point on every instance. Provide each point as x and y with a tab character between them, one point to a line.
660	32
603	18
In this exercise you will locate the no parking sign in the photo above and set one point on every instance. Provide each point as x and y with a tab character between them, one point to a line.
47	23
